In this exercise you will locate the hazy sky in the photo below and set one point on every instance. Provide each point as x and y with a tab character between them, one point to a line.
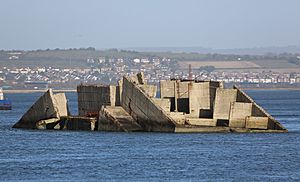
34	24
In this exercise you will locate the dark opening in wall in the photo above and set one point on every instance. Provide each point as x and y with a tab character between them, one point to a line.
206	113
172	99
183	105
222	122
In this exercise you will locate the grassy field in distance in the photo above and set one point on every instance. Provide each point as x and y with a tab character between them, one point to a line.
219	64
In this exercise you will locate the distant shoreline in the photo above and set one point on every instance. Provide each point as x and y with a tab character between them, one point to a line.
36	91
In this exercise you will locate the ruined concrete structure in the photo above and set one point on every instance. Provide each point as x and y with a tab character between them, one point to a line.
133	105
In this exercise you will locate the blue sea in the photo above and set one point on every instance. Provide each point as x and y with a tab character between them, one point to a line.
32	155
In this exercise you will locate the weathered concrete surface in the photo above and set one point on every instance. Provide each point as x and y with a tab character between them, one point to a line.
143	109
174	88
116	119
48	106
165	104
253	122
199	98
201	129
178	117
92	97
181	89
150	90
224	97
61	104
167	88
201	122
238	113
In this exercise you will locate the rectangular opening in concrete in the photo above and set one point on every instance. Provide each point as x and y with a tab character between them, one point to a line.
222	122
183	105
206	113
173	107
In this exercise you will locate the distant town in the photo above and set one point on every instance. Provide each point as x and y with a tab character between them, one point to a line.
109	69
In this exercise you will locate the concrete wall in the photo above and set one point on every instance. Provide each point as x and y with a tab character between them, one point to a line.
182	89
253	122
178	117
224	98
92	97
199	98
143	109
150	90
167	88
116	119
201	122
165	104
174	88
238	113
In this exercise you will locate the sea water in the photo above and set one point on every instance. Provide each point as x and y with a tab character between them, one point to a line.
33	155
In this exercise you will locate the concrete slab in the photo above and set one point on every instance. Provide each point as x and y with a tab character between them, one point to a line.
201	129
238	113
224	97
116	119
47	123
92	97
143	108
253	122
199	98
178	117
167	88
201	122
150	90
61	104
165	104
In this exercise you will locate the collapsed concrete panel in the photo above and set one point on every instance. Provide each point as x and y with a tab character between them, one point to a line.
92	97
116	119
48	106
76	123
223	100
258	111
143	109
238	113
47	123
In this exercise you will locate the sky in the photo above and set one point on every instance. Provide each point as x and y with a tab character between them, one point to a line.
218	24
